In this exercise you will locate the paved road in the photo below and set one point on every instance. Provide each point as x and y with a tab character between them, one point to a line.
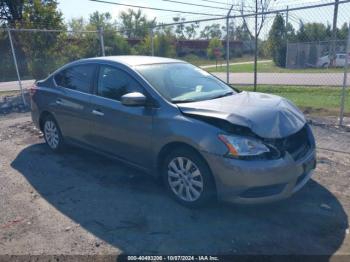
307	79
302	79
14	86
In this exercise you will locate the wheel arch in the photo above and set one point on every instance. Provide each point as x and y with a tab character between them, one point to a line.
42	117
166	149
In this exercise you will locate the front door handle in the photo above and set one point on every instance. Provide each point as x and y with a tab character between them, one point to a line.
59	102
97	113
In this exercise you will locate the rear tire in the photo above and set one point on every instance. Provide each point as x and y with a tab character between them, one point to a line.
188	178
52	134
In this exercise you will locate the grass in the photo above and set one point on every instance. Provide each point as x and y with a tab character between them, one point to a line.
198	61
270	67
314	100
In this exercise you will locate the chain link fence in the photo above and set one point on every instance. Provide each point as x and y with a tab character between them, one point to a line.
299	55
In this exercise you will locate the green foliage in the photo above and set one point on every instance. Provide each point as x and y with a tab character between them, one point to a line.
313	55
134	24
163	45
35	50
11	10
241	33
276	43
211	31
214	43
7	69
313	32
343	32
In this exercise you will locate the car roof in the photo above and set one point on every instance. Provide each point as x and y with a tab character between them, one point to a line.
134	60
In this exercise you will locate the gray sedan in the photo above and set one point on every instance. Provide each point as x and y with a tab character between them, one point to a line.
177	122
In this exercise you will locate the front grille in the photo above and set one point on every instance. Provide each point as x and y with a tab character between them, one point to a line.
263	191
297	144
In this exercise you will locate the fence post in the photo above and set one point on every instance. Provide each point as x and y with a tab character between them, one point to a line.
287	53
152	41
342	103
228	47
256	46
16	65
102	43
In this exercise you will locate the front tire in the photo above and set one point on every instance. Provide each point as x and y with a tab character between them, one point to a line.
188	178
52	134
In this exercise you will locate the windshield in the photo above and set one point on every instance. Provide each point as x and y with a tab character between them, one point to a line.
182	82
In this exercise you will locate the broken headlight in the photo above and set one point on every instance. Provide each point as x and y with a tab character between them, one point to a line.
243	147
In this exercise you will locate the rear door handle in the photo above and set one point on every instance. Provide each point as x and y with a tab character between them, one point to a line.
59	102
98	113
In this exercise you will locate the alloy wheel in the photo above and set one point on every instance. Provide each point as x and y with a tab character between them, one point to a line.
51	134
185	179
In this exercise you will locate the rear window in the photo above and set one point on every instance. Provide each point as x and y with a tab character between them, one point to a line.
77	78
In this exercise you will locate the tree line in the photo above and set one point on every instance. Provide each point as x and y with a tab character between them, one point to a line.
39	53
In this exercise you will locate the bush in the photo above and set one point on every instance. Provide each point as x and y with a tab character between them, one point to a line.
215	43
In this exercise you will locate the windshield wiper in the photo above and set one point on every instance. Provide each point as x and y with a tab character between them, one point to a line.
175	101
222	95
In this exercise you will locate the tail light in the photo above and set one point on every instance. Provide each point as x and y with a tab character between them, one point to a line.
33	89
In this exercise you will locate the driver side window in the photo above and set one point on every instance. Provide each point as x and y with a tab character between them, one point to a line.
113	83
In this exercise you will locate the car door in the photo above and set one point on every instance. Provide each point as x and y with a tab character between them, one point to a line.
124	131
73	103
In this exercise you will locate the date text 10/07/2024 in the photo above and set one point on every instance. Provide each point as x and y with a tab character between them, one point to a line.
172	258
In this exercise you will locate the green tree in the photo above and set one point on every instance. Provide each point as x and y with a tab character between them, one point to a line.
191	30
34	50
179	28
313	32
163	45
241	33
134	24
343	32
211	31
88	44
11	11
215	43
276	42
101	20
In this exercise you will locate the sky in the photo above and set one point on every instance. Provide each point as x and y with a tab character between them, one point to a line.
82	8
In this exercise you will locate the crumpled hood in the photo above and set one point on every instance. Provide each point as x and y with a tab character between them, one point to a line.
268	116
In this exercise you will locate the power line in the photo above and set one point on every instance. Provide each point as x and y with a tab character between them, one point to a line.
155	8
215	2
260	13
191	4
184	3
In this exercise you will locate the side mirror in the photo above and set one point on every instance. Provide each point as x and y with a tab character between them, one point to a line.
133	99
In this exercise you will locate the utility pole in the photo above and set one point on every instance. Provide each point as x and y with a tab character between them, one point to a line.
100	33
228	47
256	46
334	33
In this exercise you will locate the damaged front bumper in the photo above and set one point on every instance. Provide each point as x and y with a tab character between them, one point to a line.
260	181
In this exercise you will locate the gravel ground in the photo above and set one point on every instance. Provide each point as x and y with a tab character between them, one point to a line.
81	203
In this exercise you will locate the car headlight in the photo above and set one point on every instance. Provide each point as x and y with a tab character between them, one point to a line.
242	146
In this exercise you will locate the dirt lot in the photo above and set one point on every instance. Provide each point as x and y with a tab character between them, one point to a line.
81	203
